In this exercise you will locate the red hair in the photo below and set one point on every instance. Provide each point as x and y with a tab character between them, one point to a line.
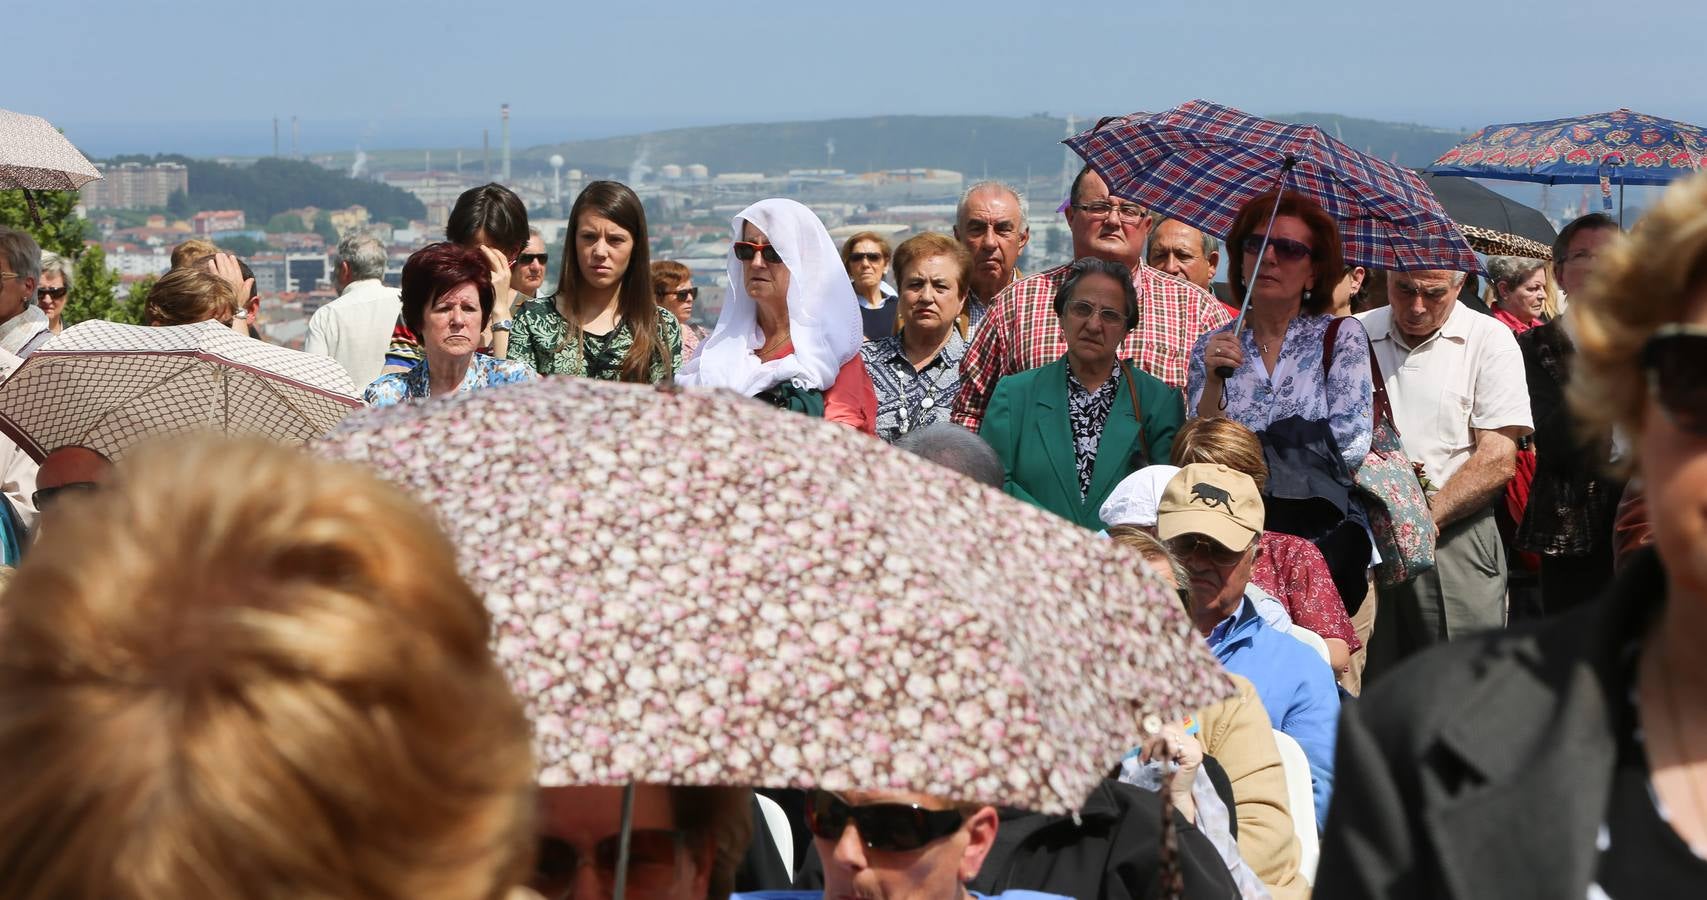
436	269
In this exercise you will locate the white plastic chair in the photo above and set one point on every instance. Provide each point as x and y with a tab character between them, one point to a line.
1301	801
1313	639
777	821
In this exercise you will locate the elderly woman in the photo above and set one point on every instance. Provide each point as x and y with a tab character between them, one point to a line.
672	285
53	288
1311	403
1517	291
447	300
1068	432
789	330
1568	757
917	372
254	698
866	256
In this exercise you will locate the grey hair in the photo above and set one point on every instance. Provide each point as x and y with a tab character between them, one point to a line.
59	265
364	254
1458	278
953	447
20	252
992	184
1510	270
1210	242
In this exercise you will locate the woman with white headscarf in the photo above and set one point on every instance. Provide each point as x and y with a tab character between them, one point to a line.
790	328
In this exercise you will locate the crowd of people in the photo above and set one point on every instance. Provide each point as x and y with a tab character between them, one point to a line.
234	669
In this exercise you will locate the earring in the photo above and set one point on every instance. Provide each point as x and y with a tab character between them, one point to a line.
1306	295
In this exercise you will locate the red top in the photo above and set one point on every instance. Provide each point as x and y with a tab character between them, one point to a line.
1293	570
1510	321
851	400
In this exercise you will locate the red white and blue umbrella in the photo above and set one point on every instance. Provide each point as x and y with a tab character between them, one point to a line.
1201	162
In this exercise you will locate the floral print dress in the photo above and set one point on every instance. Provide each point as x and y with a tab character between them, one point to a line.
541	339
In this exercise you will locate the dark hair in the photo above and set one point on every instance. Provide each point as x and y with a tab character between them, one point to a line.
254	284
437	268
1073	192
636	304
1562	243
491	208
1328	257
1090	265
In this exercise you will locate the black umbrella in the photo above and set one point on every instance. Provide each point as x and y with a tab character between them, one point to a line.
1474	206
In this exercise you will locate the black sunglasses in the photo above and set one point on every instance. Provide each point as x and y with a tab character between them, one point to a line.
55	293
652	856
527	259
691	293
746	250
864	257
1284	248
889	827
44	497
1187	545
1675	360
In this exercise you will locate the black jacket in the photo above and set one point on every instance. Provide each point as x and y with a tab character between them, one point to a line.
1482	768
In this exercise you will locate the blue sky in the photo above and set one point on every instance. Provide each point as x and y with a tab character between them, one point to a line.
166	76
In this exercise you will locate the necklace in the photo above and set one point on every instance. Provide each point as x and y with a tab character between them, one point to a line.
1667	684
773	343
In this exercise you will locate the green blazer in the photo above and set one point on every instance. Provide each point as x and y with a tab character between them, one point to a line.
1027	425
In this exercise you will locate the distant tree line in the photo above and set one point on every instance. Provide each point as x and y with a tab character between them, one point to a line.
270	186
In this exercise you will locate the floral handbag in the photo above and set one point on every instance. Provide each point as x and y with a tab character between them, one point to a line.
1391	486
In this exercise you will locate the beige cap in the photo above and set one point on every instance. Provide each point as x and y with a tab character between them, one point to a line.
1214	501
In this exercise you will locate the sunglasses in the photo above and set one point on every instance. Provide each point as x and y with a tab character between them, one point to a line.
55	293
1284	248
44	497
889	827
691	293
528	259
652	863
864	257
1188	545
1675	360
746	250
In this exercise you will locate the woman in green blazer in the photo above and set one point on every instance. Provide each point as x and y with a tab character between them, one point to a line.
1068	432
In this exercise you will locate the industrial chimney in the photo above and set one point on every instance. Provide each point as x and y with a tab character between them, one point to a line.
295	136
486	153
275	136
504	165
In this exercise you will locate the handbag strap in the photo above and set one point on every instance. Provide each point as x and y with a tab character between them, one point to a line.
1137	416
1383	406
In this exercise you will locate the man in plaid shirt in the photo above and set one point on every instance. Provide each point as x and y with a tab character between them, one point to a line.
1022	332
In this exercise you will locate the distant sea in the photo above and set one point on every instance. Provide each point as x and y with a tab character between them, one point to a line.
255	137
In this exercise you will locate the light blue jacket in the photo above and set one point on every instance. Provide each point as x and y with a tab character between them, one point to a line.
819	895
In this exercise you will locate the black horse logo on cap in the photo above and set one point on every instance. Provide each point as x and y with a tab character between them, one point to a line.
1211	496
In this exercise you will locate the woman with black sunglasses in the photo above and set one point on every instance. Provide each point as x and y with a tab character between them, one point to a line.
53	289
1299	377
789	332
1570	758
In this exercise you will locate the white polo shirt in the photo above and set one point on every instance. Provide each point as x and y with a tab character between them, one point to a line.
355	329
1469	375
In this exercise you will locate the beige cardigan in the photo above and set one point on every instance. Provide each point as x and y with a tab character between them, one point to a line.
1238	734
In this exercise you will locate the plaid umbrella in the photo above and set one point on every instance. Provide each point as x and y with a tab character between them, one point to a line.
109	387
1202	162
695	588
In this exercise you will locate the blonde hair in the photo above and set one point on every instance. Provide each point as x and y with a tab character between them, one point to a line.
191	252
187	296
1152	549
1218	439
213	688
1643	280
930	245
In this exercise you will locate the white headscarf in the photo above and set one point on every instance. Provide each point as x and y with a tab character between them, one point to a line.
823	314
1134	500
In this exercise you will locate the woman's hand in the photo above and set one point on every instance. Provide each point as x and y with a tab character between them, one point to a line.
1223	350
500	283
1172	744
225	266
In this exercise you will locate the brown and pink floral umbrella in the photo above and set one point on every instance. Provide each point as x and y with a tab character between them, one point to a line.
695	588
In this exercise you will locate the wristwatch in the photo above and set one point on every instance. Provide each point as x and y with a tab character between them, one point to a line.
503	324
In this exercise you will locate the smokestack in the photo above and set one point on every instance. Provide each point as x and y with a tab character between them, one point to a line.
295	136
275	136
504	169
486	153
459	162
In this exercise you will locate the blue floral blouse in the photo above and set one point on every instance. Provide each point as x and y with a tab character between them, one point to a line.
483	371
1256	398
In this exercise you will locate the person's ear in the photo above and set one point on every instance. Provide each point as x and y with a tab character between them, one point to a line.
1025	237
704	857
1214	261
981	836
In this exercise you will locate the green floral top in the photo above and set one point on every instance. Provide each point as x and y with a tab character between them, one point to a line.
540	338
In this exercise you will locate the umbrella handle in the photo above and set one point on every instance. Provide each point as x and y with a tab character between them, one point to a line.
1226	372
622	841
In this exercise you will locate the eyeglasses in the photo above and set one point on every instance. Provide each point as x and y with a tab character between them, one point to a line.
1101	208
55	293
1188	545
691	293
889	827
746	250
528	259
44	497
1284	248
1084	309
864	257
653	855
1675	360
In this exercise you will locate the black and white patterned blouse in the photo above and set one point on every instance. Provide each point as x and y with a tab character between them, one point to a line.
1088	412
909	399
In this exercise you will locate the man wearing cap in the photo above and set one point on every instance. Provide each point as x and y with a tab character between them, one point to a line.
1210	517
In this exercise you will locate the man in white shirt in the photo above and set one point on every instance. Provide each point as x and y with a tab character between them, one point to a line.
355	329
23	327
1461	402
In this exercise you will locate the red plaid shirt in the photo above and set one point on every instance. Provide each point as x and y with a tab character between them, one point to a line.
1022	332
